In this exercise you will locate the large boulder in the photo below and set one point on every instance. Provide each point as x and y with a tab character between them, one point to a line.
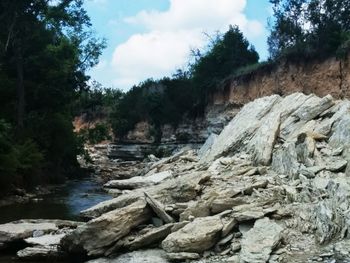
232	138
197	236
258	243
96	236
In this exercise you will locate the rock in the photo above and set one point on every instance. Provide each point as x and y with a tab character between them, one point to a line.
235	246
112	204
335	164
258	243
96	236
22	229
142	256
233	259
207	145
142	239
182	256
196	209
284	160
139	181
263	141
179	189
248	120
197	236
45	240
157	207
41	253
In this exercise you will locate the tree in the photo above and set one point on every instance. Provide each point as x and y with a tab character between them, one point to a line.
308	27
45	49
226	54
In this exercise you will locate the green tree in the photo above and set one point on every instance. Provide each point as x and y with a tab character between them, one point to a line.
226	54
45	49
308	27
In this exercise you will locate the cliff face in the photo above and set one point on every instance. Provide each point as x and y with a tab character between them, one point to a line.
330	76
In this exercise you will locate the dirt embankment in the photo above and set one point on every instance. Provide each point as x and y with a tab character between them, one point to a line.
330	76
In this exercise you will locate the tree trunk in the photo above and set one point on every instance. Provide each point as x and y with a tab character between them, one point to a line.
20	85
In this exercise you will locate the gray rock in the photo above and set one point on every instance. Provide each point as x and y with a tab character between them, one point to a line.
142	256
197	236
96	236
182	256
41	253
248	120
207	145
258	243
139	181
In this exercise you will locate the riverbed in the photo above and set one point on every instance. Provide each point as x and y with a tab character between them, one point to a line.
63	202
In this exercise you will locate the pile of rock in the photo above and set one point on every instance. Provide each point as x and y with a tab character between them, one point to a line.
272	187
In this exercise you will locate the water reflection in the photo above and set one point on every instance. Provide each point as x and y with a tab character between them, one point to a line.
65	202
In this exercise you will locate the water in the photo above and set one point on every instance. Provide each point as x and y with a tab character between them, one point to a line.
65	202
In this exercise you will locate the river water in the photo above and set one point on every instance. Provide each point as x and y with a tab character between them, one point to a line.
64	202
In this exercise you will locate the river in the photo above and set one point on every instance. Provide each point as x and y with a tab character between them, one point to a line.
64	202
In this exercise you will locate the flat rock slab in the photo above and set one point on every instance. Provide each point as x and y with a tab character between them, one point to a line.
197	236
41	253
45	240
96	236
142	256
139	181
17	231
258	243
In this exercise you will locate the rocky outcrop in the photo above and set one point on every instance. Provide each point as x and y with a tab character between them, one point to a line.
272	187
95	237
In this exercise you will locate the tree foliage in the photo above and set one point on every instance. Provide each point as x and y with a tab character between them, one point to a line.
309	27
169	100
45	49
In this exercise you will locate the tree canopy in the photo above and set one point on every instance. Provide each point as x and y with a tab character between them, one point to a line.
309	27
45	49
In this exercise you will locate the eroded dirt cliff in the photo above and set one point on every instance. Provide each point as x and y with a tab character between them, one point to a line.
330	76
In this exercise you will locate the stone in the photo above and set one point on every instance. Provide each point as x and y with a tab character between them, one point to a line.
263	141
142	256
139	181
196	236
158	208
22	229
207	145
248	120
97	235
284	160
182	256
258	243
45	240
41	253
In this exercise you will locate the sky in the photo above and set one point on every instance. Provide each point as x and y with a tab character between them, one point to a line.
153	38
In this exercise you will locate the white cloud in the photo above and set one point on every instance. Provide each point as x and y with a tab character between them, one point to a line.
170	35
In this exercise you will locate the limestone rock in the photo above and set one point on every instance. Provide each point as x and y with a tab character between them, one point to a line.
23	229
46	240
139	181
142	256
207	145
248	120
182	256
97	235
258	243
197	236
41	253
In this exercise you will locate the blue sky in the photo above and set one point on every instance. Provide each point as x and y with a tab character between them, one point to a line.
152	38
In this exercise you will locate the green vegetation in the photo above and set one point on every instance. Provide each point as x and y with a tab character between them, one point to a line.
309	28
169	100
45	50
